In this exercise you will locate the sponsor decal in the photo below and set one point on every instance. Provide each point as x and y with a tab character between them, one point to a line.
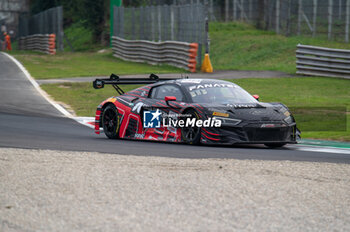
215	113
112	99
139	136
205	86
196	81
268	125
191	122
287	113
151	119
244	106
154	119
137	108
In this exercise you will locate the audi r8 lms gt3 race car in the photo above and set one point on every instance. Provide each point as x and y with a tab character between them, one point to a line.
192	111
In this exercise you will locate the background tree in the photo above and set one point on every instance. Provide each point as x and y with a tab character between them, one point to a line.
94	14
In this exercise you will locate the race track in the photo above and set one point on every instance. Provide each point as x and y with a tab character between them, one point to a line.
28	120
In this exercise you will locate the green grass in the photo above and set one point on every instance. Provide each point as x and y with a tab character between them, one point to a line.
82	97
294	92
307	92
239	46
80	64
80	38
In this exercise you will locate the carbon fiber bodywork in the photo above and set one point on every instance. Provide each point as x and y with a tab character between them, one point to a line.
264	123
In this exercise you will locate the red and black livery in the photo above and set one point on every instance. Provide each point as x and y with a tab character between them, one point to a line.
244	120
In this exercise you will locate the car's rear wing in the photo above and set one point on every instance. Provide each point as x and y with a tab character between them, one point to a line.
115	80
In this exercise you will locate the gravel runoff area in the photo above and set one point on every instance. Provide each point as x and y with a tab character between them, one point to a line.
44	190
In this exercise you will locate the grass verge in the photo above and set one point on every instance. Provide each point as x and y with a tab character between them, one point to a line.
79	37
80	64
240	46
294	92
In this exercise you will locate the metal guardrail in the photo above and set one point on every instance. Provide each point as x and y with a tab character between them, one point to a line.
320	61
40	42
178	54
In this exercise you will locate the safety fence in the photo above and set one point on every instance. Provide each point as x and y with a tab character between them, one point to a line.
329	19
178	54
46	22
45	43
320	61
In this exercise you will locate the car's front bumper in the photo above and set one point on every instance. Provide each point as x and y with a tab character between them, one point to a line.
251	133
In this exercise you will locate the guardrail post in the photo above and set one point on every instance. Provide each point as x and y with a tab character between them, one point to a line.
172	22
242	10
299	16
159	23
141	30
277	16
132	22
288	17
330	18
234	8
211	10
250	9
147	22
121	11
152	23
226	10
347	19
115	31
60	28
314	18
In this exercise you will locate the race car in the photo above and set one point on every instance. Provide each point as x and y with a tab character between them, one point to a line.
192	111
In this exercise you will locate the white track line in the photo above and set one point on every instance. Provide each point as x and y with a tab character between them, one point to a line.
86	121
82	120
37	87
323	149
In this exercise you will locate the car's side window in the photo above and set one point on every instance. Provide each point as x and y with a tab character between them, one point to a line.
160	92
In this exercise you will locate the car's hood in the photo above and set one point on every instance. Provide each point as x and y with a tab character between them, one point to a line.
256	112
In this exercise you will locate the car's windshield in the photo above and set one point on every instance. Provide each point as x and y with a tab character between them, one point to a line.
221	93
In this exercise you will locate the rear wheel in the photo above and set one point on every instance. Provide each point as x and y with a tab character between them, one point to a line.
110	122
274	145
191	135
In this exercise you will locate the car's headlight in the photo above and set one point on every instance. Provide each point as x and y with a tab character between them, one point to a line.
288	120
230	121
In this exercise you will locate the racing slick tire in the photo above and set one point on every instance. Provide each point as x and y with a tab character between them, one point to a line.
274	145
191	135
110	122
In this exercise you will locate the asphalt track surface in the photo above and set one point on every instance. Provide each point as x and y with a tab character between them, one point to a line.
27	120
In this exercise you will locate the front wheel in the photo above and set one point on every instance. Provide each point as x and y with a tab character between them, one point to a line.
274	145
191	135
110	122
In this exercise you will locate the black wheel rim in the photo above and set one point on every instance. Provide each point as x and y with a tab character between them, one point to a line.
110	121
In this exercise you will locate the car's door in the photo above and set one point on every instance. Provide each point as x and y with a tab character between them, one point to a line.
166	101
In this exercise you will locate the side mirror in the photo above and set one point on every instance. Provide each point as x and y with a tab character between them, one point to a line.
169	98
256	97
